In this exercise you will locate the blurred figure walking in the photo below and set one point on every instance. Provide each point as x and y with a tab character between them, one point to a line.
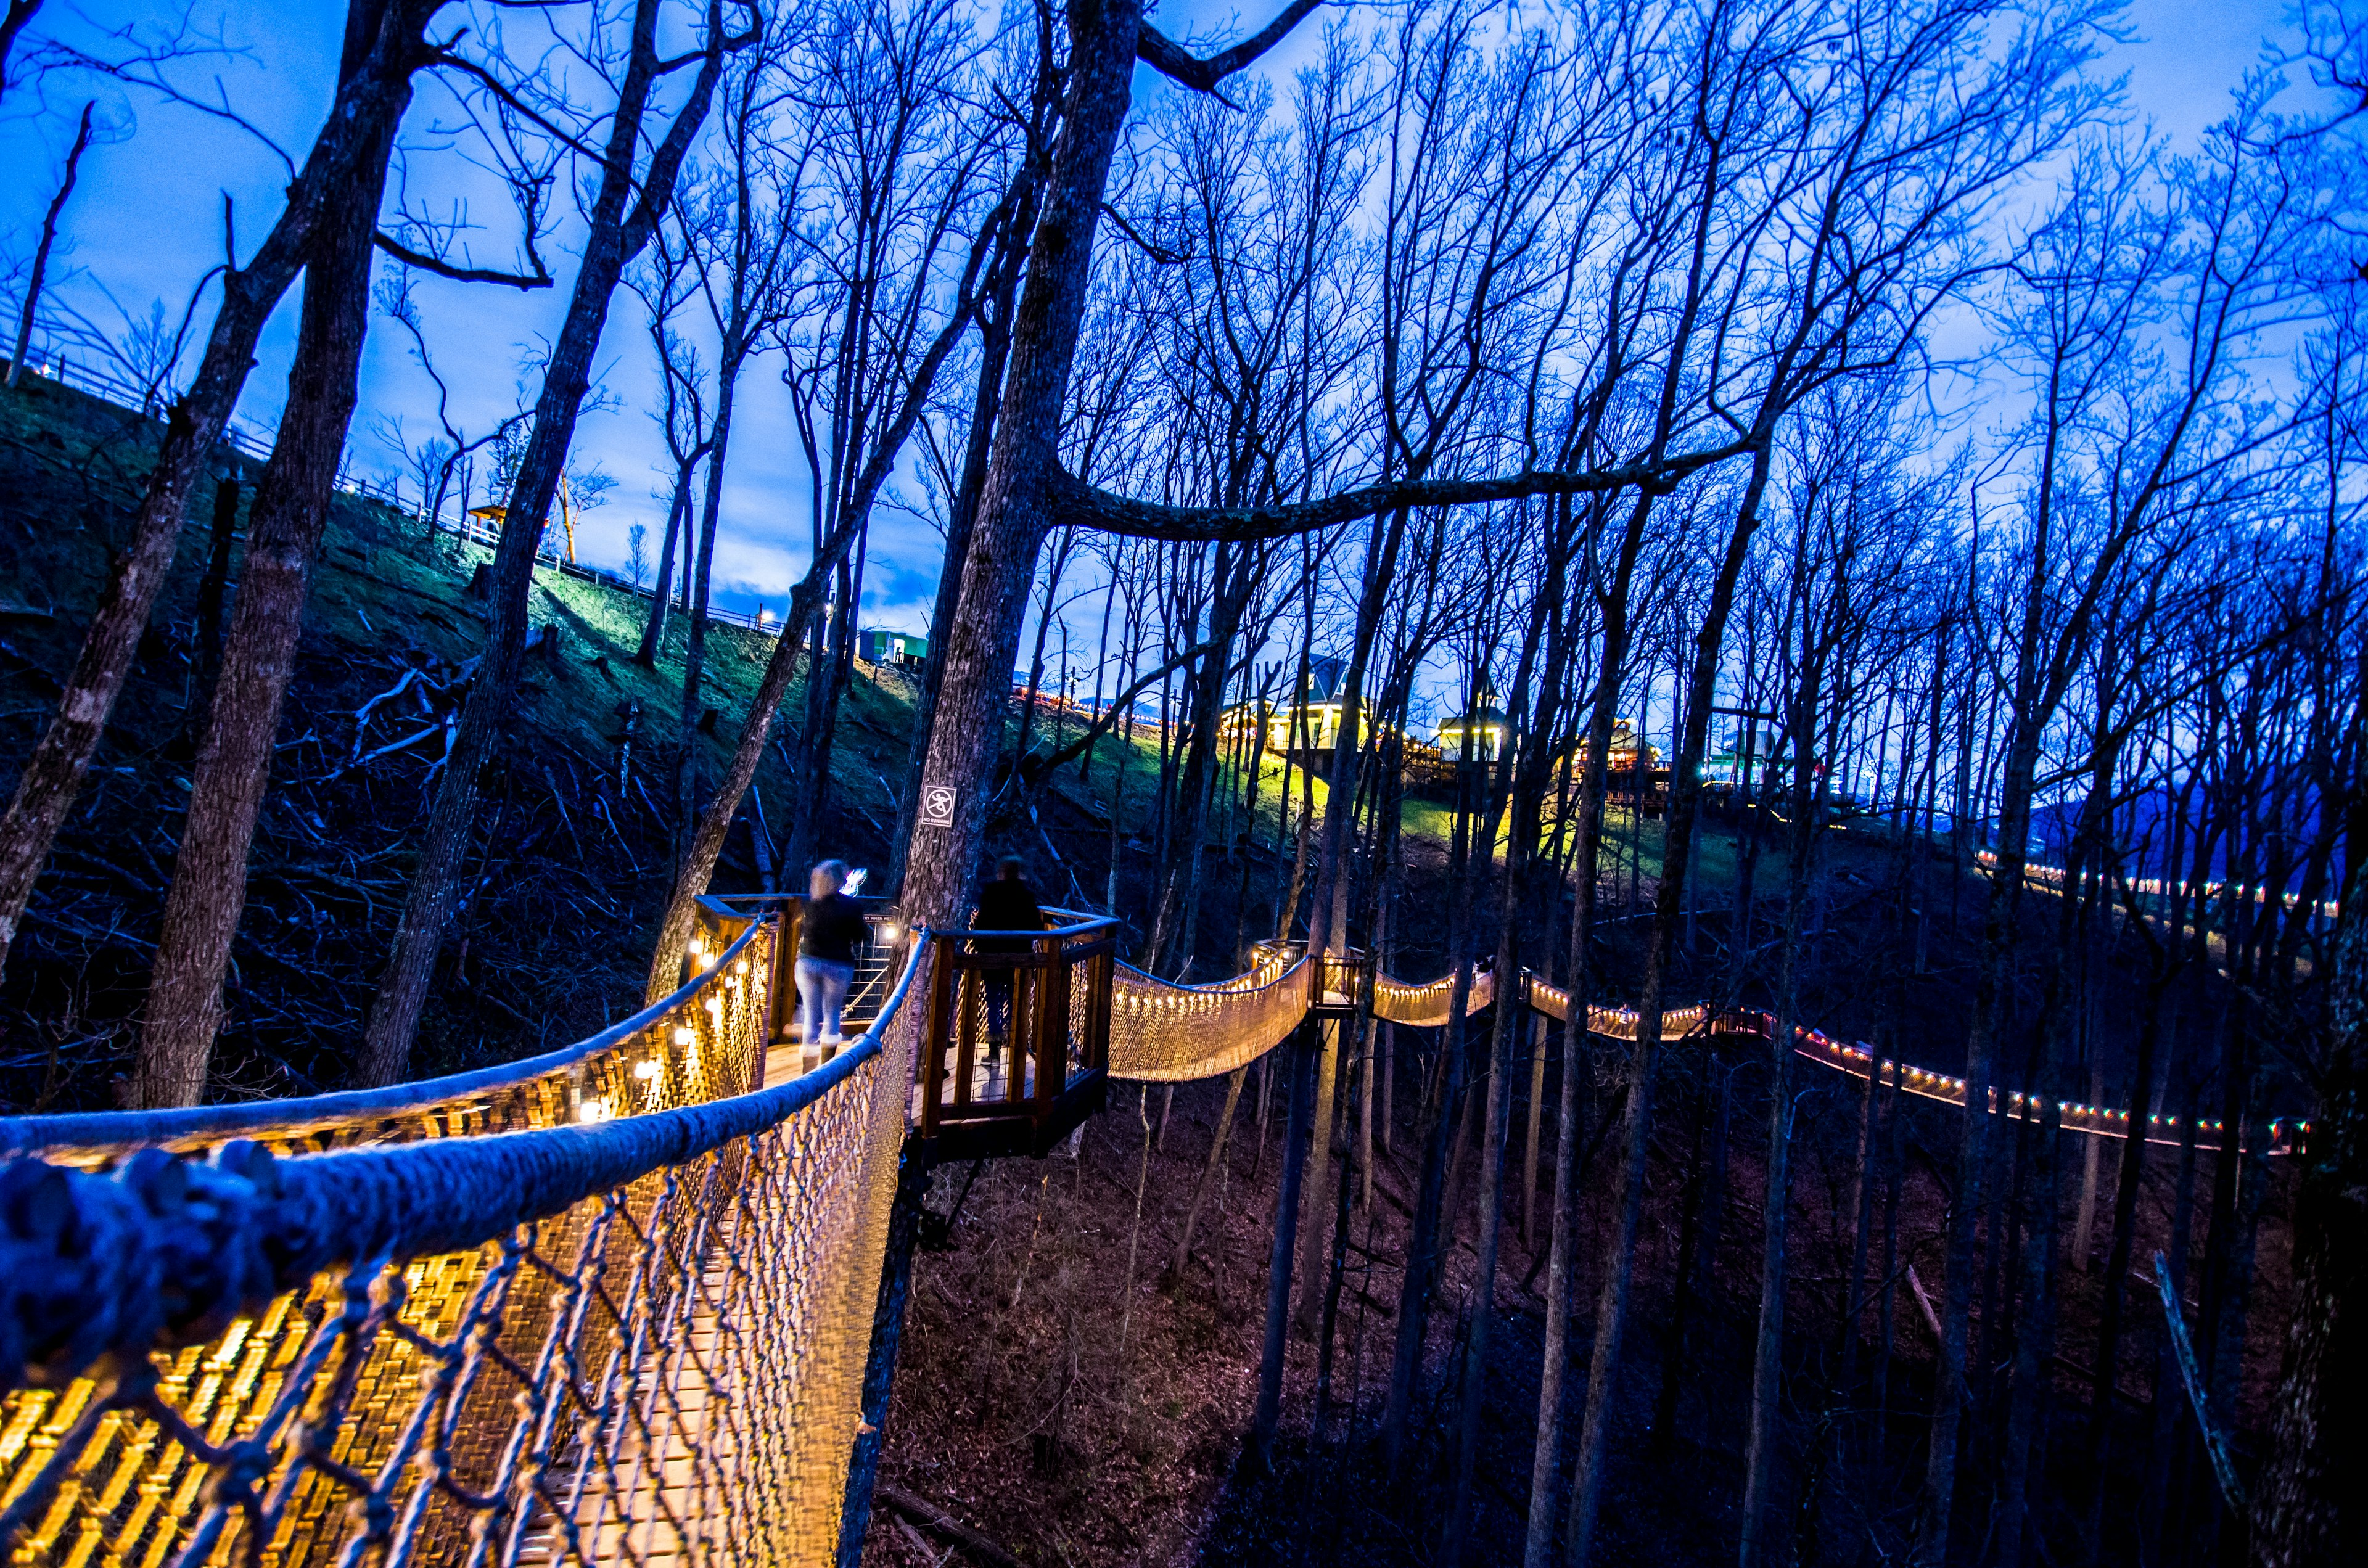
834	927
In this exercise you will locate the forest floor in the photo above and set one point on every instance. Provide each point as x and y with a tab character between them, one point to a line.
1060	1394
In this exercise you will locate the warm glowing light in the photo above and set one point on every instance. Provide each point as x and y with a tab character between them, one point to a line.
646	1070
684	1036
593	1110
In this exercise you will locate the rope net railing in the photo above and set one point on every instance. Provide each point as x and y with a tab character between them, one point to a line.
1614	1023
2280	1135
703	1042
606	1305
1429	1005
1163	1032
612	1337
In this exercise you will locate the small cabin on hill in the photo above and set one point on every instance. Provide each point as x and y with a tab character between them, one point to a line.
901	650
1301	732
1483	730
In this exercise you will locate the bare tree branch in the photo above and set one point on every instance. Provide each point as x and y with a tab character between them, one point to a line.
539	278
1168	57
1080	504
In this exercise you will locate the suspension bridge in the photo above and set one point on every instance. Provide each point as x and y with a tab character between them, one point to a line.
611	1304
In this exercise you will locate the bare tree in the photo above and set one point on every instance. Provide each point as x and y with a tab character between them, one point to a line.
12	22
740	226
627	203
48	218
383	49
899	289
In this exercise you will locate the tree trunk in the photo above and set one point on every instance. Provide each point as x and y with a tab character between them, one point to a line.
1234	578
1313	1239
2307	1505
283	534
1768	1351
1853	1304
1432	1231
2169	1404
2084	1228
699	567
39	272
1208	1176
1494	1117
994	348
1636	1118
212	589
1268	1414
1887	1299
2034	1343
615	235
1561	1274
382	50
983	640
678	524
1530	1152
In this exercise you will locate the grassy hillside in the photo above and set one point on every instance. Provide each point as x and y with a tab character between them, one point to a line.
573	844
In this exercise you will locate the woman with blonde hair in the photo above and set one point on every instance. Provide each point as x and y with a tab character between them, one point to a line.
834	926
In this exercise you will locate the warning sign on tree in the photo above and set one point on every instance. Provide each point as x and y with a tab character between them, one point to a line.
937	806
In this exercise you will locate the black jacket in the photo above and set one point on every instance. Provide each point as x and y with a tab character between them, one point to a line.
834	928
1008	905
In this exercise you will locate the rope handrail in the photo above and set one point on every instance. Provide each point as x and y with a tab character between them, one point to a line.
632	1339
1162	1032
2100	1121
1427	1005
271	1222
1216	1044
1232	985
95	1133
2259	893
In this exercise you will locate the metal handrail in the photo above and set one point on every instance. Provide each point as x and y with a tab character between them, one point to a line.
130	1129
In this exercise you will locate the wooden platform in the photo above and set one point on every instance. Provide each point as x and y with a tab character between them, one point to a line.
1004	1134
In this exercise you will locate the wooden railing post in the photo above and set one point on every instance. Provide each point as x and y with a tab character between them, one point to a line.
943	973
1052	1025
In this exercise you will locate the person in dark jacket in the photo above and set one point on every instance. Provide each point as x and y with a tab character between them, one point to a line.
1007	904
833	927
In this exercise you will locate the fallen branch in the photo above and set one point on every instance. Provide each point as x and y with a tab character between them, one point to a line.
2224	1468
363	714
405	744
929	1516
937	1559
1924	1301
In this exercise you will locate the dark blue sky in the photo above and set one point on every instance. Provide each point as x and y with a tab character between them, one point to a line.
146	222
